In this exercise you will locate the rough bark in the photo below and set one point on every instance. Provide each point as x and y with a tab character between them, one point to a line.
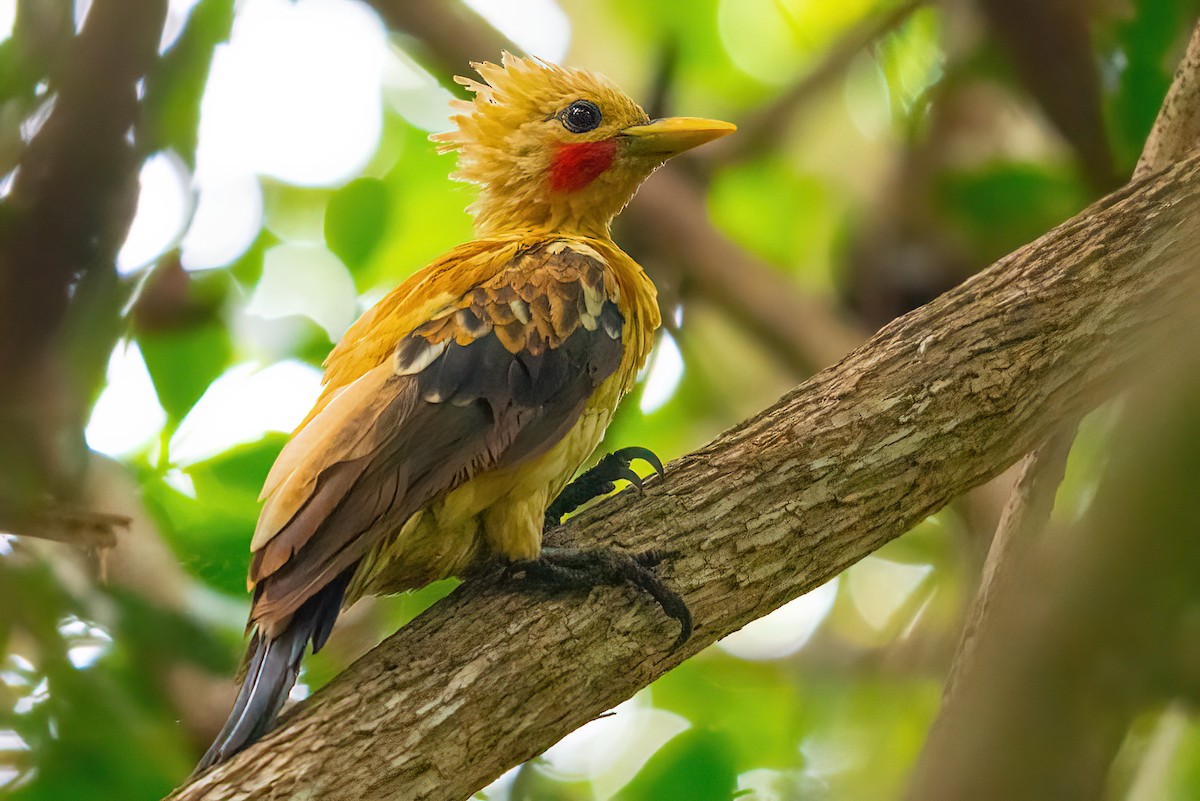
936	403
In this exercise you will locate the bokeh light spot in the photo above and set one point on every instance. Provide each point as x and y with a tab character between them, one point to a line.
307	280
879	587
610	750
295	94
127	416
228	217
663	376
784	631
539	26
162	211
177	17
86	642
8	17
242	405
415	94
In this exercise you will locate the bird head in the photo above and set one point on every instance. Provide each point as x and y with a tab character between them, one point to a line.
558	149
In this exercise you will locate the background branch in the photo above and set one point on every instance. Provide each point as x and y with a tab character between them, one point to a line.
936	403
72	198
1023	521
768	125
667	223
1049	45
1176	132
72	201
448	35
1028	511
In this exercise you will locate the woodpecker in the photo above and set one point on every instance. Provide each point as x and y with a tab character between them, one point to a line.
455	412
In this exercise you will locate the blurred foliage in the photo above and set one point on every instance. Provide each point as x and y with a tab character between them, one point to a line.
922	160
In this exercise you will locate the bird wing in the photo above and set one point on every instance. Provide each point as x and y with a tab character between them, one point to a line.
493	377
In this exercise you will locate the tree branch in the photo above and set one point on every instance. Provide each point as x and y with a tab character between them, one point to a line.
1049	45
450	35
936	403
1031	503
73	197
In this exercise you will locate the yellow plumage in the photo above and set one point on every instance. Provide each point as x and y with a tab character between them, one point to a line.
455	410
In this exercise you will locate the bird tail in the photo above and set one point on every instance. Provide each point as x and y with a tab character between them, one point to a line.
271	667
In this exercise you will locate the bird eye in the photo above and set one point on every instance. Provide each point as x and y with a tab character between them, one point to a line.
581	116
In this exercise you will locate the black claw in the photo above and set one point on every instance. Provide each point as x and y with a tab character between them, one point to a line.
566	568
670	601
598	480
626	472
645	454
514	570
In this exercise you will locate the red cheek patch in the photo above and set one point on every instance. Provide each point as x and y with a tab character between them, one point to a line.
577	165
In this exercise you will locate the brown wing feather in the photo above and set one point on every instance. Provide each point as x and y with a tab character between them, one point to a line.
492	379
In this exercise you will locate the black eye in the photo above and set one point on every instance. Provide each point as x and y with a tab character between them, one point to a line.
581	116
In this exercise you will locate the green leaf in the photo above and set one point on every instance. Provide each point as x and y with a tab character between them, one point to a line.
182	363
244	467
1003	206
754	705
787	218
696	765
417	232
1146	45
100	733
210	529
160	636
117	746
356	219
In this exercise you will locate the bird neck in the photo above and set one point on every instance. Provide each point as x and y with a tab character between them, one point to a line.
504	210
524	198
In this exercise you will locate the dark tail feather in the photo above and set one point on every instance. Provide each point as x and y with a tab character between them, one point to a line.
271	670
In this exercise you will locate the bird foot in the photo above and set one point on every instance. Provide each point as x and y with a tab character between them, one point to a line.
599	480
582	569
